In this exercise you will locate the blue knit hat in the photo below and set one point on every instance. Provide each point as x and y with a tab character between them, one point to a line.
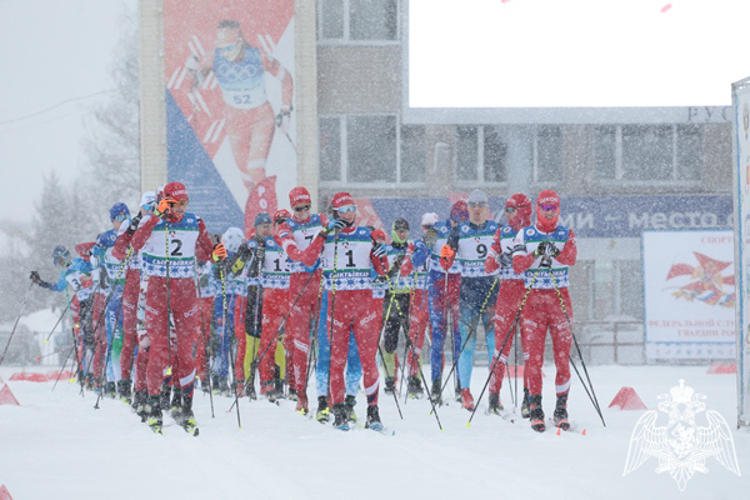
262	218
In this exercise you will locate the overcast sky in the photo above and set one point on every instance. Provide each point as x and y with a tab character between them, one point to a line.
51	52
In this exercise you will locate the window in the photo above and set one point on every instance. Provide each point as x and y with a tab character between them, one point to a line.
629	292
413	153
358	20
371	148
548	154
330	149
495	155
648	152
467	157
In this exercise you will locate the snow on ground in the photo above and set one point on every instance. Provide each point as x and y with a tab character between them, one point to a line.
56	445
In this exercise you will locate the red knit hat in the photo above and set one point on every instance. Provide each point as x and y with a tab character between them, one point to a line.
176	191
299	196
522	217
341	200
547	197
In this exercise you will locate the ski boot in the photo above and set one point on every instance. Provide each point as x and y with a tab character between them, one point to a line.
109	390
390	386
323	414
268	389
467	401
140	401
90	382
459	395
525	403
339	417
561	412
495	407
279	388
175	407
536	413
186	418
414	388
373	419
238	388
350	403
166	393
437	399
222	388
302	405
123	389
153	410
250	392
292	394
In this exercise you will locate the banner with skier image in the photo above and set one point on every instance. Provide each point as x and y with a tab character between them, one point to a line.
689	294
741	147
229	76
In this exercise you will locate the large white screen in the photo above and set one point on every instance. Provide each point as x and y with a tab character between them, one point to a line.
576	53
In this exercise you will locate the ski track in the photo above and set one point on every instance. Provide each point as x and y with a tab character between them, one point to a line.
56	445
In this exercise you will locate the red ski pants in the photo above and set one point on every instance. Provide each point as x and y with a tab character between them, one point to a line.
205	313
543	311
303	288
129	318
509	298
418	320
353	311
275	307
184	306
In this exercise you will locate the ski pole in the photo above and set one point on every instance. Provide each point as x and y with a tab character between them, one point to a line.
382	357
592	394
421	373
505	342
227	339
206	349
62	315
18	318
169	310
314	335
333	309
472	330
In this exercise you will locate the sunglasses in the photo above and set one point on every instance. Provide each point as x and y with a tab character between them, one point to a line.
302	208
510	209
280	221
480	204
347	209
548	208
120	217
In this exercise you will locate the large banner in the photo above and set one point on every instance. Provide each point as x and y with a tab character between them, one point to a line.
689	294
230	116
741	143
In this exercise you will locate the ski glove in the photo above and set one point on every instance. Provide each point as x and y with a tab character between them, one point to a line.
379	250
37	280
219	253
505	259
333	225
164	207
134	224
546	248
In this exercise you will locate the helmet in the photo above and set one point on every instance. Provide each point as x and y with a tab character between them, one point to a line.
60	255
176	191
232	239
429	219
281	216
117	210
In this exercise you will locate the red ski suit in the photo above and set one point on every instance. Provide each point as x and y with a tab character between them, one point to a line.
347	260
548	304
129	302
185	240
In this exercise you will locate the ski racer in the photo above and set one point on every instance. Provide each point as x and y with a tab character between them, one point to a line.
348	255
171	240
509	297
469	244
544	253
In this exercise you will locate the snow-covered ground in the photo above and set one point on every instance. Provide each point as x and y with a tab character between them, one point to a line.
56	445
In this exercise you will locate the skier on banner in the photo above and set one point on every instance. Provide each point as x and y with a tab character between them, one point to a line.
107	353
544	253
171	240
76	274
131	290
415	265
442	296
240	68
296	235
348	255
469	244
510	295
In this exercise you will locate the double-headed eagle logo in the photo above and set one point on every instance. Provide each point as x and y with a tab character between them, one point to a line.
681	446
